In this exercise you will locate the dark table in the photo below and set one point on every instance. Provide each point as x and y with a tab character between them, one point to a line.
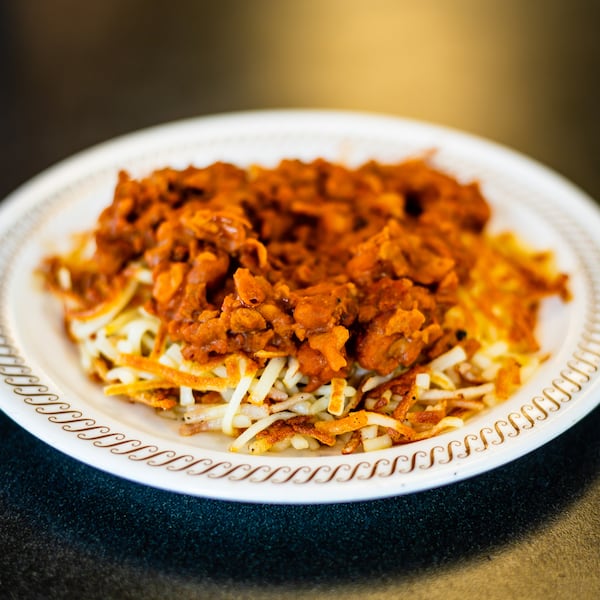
525	74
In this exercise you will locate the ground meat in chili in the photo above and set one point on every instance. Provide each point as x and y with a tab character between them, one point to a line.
327	263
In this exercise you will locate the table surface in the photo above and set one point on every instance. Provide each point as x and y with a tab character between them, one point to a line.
524	74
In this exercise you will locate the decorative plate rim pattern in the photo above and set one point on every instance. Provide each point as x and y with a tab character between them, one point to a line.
33	400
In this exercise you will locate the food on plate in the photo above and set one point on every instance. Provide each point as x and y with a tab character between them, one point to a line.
304	305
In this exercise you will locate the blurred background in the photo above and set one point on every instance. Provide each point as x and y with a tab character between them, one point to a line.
525	73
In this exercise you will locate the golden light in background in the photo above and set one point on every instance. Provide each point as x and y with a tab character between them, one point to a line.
426	60
463	63
509	70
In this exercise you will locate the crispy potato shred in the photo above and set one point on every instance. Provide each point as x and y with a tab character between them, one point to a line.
305	306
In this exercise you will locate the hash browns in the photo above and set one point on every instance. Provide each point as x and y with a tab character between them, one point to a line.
304	305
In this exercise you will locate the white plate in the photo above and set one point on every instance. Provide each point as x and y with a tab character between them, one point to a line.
43	389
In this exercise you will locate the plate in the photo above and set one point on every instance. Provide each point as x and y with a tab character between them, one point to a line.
43	389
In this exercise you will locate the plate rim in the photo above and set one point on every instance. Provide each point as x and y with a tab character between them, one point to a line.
30	196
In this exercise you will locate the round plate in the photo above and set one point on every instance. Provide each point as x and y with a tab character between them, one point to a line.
44	390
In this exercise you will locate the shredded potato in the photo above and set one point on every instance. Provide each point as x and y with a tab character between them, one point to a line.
306	305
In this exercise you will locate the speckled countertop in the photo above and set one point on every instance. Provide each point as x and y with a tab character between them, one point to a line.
530	529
